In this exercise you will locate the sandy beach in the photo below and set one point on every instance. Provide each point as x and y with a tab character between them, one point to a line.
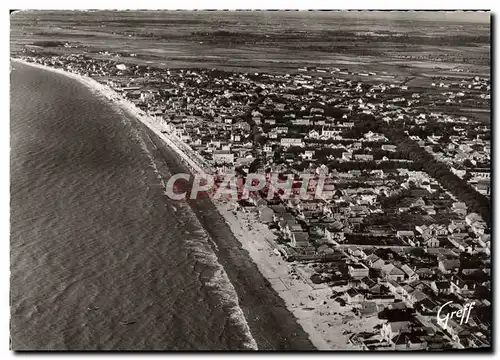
328	325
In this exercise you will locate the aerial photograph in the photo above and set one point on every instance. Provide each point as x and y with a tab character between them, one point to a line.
209	180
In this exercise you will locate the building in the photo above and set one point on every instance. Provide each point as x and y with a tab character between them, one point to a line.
287	142
391	329
460	286
299	239
353	296
265	214
375	262
223	157
459	208
410	274
441	287
363	157
448	266
407	341
328	132
347	156
391	148
392	272
308	155
358	271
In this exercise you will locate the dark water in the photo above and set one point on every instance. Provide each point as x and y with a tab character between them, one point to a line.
100	258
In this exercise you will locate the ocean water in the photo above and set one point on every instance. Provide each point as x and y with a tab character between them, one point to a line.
101	259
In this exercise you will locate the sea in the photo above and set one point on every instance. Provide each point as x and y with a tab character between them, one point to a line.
100	258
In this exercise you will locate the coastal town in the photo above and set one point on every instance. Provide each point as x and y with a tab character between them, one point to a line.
395	253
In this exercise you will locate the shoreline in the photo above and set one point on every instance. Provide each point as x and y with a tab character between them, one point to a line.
293	338
295	293
229	296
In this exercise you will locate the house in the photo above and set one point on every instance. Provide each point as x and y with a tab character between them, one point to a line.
459	208
424	272
299	239
392	272
359	210
281	129
357	146
378	264
289	218
407	236
408	341
355	222
422	229
441	287
265	215
449	323
448	266
363	157
299	122
328	132
431	242
308	155
378	172
369	308
459	240
355	252
371	258
223	157
460	286
371	136
278	212
395	288
313	134
472	218
325	249
367	283
289	224
273	134
456	226
391	329
358	271
353	296
383	299
347	156
287	142
235	137
333	236
415	296
427	307
468	267
364	253
430	209
438	229
377	291
407	289
387	147
418	203
410	274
